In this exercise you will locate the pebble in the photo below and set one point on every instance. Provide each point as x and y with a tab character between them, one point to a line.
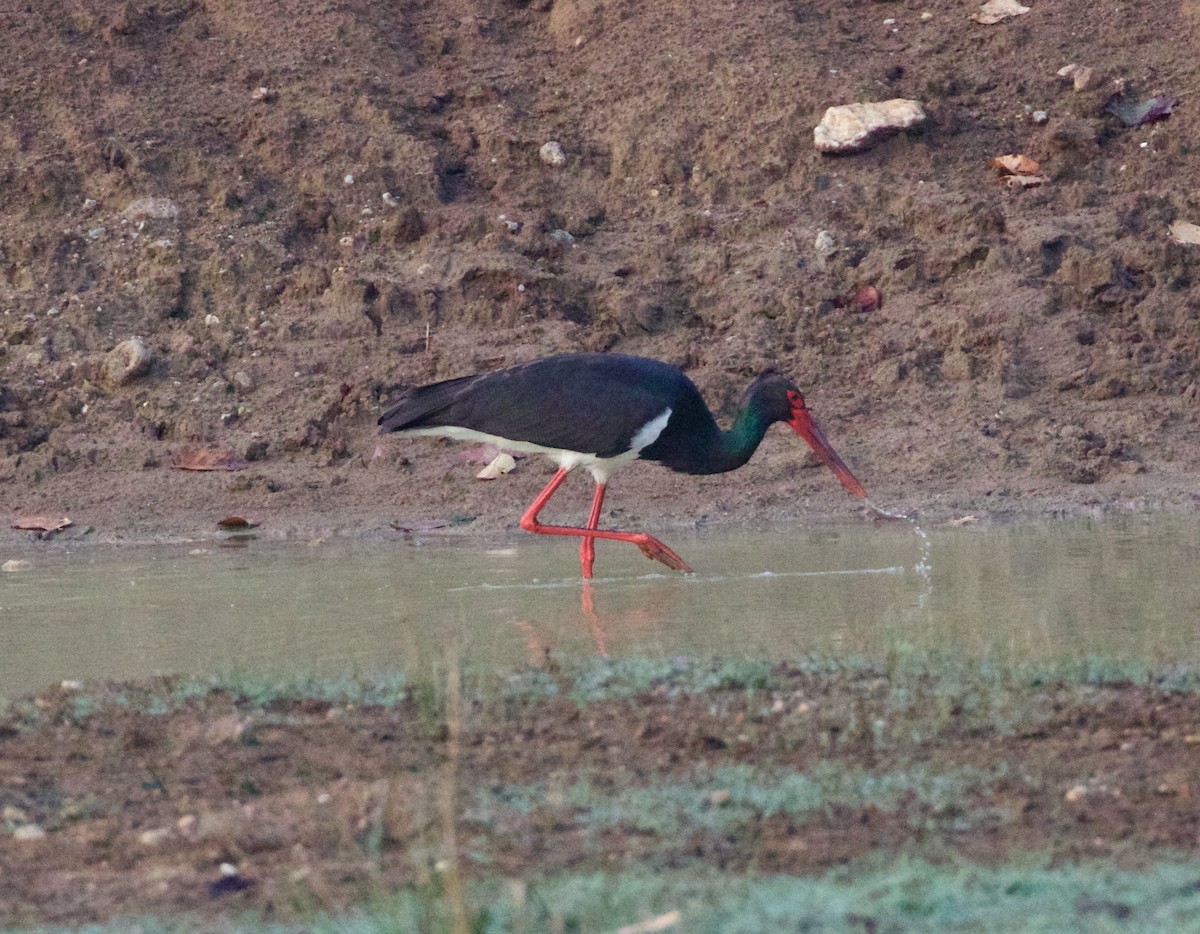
1075	793
126	362
154	836
552	153
15	564
29	832
824	244
855	127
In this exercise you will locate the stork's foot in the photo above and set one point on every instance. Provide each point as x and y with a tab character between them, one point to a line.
653	548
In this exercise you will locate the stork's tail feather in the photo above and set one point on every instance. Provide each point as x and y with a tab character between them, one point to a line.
420	407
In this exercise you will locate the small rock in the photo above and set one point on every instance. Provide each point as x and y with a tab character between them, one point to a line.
163	209
29	832
264	94
242	380
155	836
1075	793
824	244
552	153
997	11
855	127
126	362
211	320
15	564
1081	76
1040	117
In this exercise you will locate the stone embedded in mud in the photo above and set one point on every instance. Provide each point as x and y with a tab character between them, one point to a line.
552	153
855	127
126	362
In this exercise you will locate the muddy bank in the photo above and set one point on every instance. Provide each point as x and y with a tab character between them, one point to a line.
298	210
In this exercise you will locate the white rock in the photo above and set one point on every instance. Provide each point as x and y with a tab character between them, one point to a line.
15	564
996	11
855	127
501	464
552	153
155	836
29	832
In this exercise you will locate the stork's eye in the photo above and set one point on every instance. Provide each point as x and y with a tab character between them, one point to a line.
795	399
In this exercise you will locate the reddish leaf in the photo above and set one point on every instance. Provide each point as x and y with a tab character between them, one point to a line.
200	457
862	297
1015	164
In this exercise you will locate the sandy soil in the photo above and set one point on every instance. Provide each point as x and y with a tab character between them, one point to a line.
300	208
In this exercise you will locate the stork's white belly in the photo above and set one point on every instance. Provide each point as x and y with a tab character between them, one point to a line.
601	467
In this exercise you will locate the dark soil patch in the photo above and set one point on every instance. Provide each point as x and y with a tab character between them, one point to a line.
313	804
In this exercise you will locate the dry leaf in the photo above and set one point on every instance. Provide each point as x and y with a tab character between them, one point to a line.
427	525
996	11
1016	164
236	523
200	457
862	297
1132	112
41	524
1185	232
1024	181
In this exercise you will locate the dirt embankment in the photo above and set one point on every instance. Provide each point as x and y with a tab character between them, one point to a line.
301	207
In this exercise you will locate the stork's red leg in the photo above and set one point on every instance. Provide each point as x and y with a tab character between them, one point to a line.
587	546
651	547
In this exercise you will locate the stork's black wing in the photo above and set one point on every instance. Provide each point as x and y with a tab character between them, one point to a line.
590	403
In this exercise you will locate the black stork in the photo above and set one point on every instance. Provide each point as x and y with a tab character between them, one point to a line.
601	411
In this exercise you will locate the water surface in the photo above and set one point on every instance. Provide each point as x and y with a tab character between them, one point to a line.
1119	589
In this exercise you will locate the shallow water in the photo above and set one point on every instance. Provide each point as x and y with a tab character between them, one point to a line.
1124	590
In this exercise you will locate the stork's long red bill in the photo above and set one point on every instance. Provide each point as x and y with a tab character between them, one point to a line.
808	429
